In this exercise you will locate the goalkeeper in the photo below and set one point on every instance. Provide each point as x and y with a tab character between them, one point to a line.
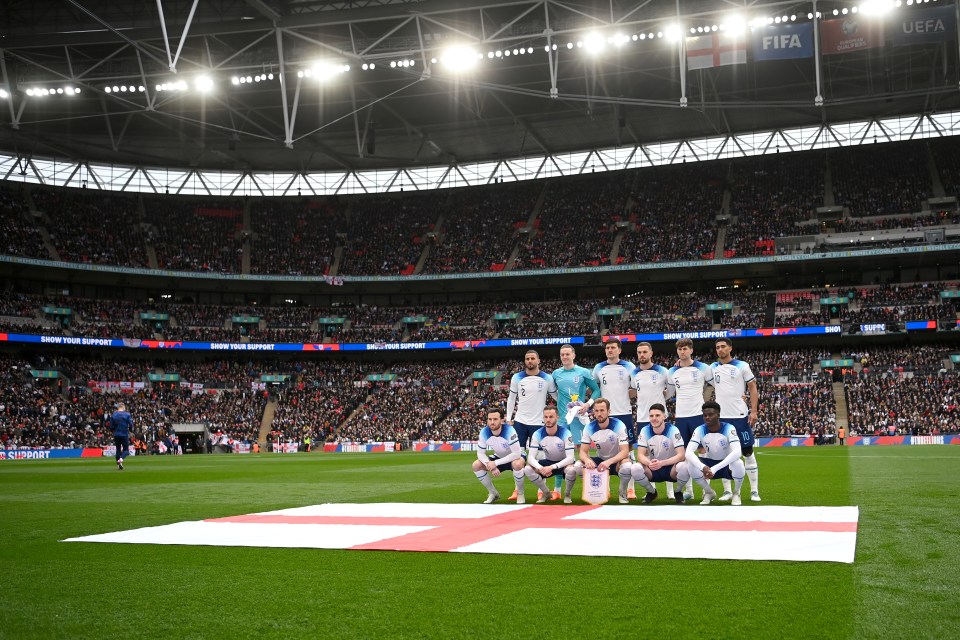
573	382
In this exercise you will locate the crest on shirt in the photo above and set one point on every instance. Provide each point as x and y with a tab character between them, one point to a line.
653	378
576	379
540	386
696	374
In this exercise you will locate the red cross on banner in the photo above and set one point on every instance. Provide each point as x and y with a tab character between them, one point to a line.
758	533
715	50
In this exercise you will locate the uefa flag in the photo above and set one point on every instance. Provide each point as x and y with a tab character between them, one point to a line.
715	50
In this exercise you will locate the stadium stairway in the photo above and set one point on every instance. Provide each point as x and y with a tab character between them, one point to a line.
35	217
337	261
266	423
246	234
828	198
840	398
937	184
615	245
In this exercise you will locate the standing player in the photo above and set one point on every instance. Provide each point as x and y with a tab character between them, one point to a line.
660	454
121	423
572	382
551	450
613	376
722	445
528	396
609	436
653	385
732	378
690	377
506	455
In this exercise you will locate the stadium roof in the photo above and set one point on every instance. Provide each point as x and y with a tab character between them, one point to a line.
418	112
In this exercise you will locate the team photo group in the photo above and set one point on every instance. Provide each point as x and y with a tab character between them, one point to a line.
539	441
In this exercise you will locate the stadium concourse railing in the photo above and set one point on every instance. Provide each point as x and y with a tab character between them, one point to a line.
470	445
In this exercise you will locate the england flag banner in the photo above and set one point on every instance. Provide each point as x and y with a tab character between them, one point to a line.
715	50
824	534
783	42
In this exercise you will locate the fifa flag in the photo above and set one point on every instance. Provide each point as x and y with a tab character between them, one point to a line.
783	42
715	50
853	33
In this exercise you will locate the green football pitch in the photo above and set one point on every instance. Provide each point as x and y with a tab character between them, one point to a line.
905	582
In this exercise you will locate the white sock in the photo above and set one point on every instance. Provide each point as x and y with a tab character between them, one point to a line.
641	477
670	493
631	483
568	485
726	485
518	480
750	462
688	488
537	479
485	480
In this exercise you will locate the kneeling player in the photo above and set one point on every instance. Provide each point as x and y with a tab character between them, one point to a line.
506	455
722	445
551	450
609	436
659	452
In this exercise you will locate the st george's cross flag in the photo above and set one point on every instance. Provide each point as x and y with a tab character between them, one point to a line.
716	50
825	534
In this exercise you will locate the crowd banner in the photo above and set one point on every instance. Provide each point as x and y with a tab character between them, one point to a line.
445	345
46	454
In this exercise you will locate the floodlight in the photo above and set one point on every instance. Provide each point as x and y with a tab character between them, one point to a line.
876	7
460	58
672	32
593	43
4	94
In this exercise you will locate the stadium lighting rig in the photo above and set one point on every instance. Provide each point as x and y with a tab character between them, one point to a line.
465	58
43	92
323	70
260	77
124	89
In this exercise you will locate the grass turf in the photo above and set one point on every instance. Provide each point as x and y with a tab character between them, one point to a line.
904	582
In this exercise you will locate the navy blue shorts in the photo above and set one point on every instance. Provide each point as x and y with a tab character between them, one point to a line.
506	466
627	421
613	470
662	474
723	474
742	425
687	427
524	431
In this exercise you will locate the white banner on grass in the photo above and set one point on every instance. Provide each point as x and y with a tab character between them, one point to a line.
724	532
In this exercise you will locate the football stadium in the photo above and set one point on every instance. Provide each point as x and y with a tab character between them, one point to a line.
435	319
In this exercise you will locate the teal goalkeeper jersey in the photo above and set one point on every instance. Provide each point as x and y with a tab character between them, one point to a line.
572	385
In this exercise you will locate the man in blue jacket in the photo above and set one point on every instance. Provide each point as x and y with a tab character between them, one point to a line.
121	423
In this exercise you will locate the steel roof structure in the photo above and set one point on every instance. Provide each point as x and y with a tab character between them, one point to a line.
535	88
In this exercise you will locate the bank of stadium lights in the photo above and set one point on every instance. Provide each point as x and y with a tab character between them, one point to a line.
260	77
180	85
42	92
402	64
124	89
323	71
460	58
